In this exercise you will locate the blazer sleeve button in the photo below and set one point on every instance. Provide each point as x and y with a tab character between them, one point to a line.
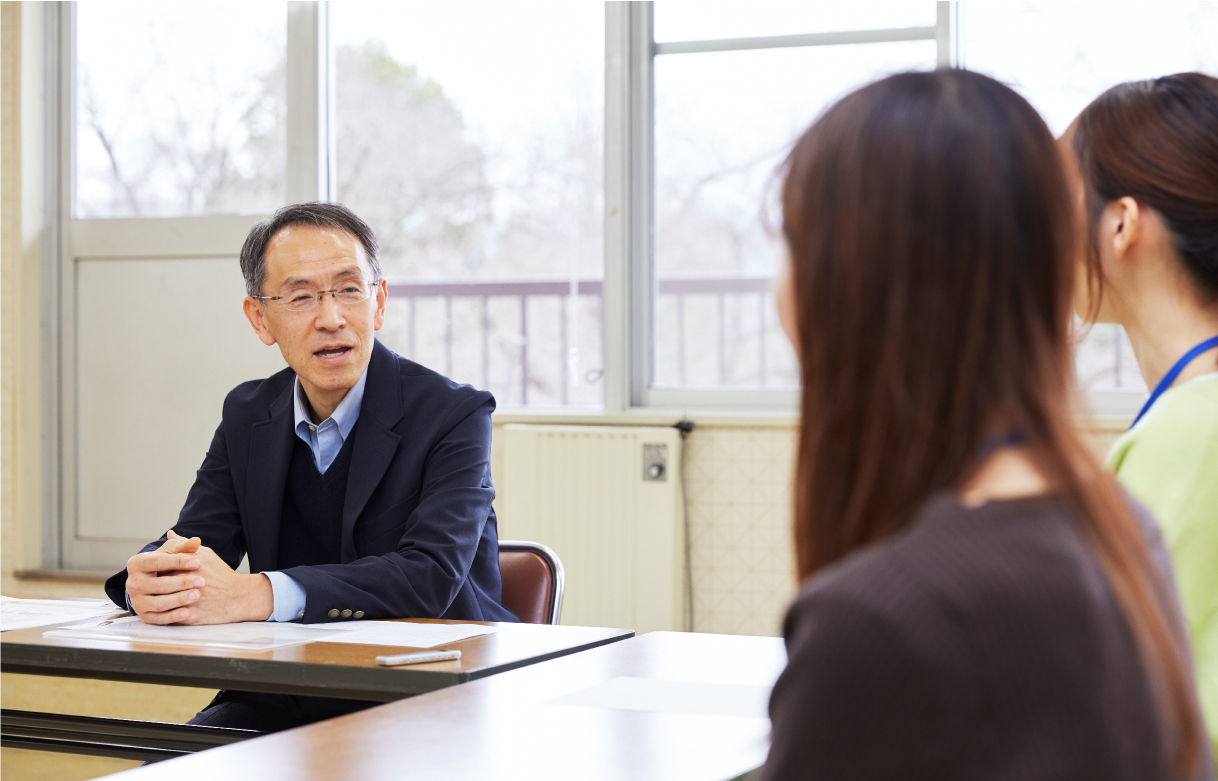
359	614
346	614
333	613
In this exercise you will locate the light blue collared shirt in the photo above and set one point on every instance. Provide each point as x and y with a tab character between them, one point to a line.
325	439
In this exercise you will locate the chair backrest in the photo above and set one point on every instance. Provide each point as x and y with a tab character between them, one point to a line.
532	581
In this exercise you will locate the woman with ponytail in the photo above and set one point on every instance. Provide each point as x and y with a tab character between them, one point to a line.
1143	161
980	600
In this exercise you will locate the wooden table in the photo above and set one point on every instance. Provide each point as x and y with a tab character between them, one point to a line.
316	669
510	726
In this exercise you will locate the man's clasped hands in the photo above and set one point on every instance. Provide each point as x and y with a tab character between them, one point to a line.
185	582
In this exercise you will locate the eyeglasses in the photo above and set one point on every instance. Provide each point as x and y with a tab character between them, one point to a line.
349	293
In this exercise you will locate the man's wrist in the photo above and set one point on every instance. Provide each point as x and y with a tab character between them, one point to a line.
260	598
288	596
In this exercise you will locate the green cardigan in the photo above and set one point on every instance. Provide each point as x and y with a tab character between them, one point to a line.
1169	461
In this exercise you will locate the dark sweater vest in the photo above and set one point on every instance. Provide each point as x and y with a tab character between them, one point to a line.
311	526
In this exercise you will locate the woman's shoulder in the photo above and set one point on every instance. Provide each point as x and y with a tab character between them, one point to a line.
961	559
954	633
967	584
1180	426
1168	459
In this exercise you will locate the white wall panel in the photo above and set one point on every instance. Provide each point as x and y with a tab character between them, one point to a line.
158	345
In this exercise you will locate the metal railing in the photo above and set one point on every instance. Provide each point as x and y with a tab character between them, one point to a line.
524	290
721	288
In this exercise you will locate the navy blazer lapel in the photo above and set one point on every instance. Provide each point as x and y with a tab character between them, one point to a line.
267	479
375	443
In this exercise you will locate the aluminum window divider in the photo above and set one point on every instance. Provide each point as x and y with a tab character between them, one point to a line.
946	31
628	193
60	209
164	238
798	41
617	234
58	22
725	399
310	104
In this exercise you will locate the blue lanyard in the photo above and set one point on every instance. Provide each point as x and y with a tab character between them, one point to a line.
1013	438
1173	373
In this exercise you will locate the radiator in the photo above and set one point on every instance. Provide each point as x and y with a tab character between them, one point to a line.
608	501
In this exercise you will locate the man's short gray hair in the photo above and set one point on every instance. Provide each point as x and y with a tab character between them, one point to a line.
320	214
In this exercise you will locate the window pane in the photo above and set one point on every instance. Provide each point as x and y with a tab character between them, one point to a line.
1104	360
681	20
179	111
1082	49
475	151
724	122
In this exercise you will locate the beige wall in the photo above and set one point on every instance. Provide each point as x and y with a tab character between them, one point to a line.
20	250
10	267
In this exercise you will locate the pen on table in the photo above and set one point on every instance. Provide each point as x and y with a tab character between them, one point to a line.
418	657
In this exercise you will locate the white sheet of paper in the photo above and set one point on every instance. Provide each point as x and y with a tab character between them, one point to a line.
245	636
403	633
29	613
653	694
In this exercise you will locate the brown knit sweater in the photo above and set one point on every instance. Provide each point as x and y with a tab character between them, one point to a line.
979	644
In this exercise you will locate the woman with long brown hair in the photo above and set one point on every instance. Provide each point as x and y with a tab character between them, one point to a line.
1143	160
980	600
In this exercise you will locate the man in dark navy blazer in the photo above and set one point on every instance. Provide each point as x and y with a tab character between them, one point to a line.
357	482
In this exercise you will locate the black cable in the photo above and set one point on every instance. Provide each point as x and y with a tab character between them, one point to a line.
686	426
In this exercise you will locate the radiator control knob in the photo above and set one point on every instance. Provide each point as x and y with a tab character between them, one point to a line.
655	462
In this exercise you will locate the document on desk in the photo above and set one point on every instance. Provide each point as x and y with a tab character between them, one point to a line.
654	694
245	636
403	633
29	613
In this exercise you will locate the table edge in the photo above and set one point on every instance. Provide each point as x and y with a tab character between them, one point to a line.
270	676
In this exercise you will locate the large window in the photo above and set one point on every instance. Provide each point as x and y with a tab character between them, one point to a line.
727	109
715	96
576	201
475	150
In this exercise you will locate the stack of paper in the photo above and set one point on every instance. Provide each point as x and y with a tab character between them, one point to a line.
246	636
27	613
265	635
403	633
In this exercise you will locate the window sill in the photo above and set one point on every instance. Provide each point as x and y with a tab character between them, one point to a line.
644	417
557	416
61	576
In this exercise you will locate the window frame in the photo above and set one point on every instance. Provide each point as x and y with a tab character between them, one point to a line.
630	280
630	283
